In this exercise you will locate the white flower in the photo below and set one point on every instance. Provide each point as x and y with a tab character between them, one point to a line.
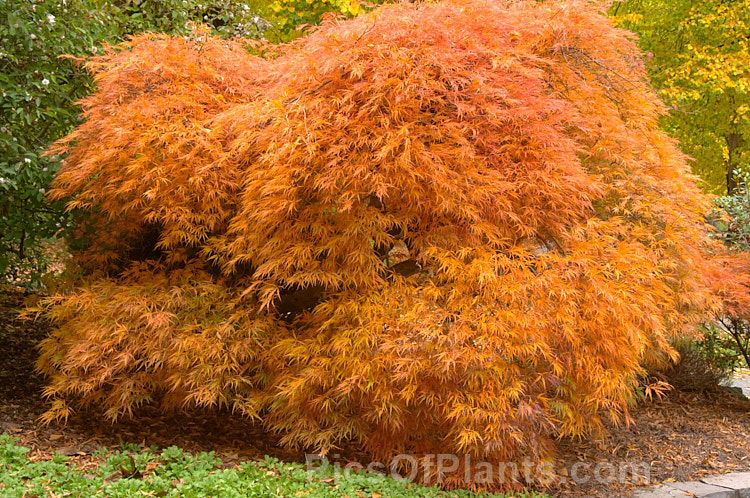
26	160
45	82
51	18
2	180
32	36
41	190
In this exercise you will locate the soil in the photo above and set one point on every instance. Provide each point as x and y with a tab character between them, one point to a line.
684	436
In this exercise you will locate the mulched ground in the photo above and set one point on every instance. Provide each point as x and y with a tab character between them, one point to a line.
683	437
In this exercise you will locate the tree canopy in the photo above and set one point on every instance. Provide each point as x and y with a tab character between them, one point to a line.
39	86
701	66
446	227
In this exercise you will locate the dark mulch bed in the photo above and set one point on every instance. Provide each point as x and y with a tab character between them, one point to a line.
682	437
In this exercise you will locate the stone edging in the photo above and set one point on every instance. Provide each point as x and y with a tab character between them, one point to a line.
734	485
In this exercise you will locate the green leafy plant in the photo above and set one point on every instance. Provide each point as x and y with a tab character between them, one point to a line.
733	216
134	471
701	367
728	333
721	349
37	91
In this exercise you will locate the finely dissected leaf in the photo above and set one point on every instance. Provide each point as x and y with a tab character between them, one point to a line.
436	228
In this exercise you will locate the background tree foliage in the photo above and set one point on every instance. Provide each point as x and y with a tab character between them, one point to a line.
447	227
35	109
286	16
701	67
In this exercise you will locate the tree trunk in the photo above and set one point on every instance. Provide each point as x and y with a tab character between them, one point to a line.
735	141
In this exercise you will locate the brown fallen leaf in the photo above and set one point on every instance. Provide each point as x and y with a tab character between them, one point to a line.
114	476
68	451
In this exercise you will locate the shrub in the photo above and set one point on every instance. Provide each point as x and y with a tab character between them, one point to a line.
39	89
436	228
695	370
720	349
730	328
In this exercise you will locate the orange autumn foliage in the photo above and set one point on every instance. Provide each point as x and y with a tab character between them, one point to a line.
438	228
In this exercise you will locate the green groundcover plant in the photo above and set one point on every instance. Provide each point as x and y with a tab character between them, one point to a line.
134	471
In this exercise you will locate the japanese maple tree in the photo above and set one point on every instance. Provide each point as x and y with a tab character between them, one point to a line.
437	228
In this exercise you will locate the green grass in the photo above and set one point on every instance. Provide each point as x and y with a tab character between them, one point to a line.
133	471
